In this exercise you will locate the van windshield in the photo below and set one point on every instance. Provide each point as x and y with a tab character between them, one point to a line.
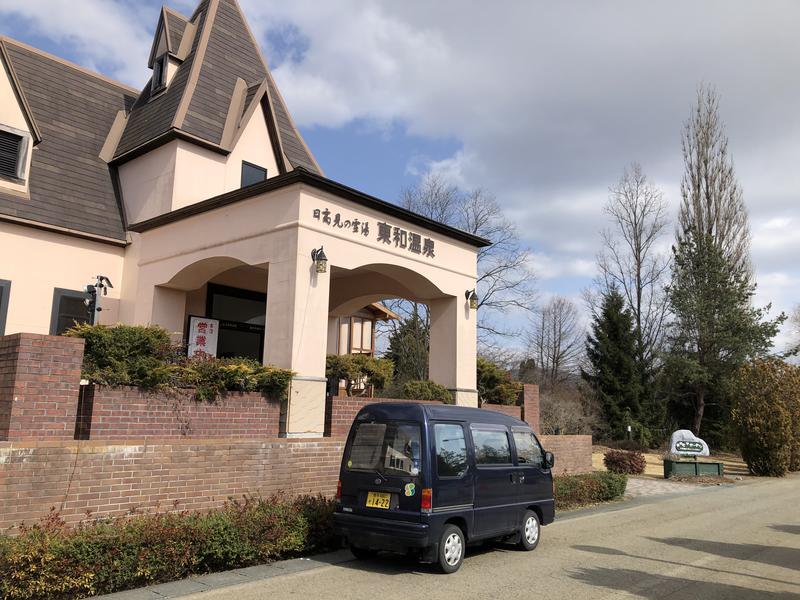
390	448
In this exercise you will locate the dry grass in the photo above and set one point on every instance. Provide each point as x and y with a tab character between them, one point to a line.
734	465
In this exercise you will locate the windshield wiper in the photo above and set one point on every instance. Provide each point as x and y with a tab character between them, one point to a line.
382	476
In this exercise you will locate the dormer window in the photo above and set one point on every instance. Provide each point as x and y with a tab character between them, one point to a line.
252	174
13	147
159	73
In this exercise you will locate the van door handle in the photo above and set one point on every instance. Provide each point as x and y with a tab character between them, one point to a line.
511	475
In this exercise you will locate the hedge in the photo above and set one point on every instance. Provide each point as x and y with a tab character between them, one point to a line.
145	357
572	491
628	462
426	390
50	561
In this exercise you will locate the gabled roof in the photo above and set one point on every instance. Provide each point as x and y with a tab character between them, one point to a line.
173	26
197	101
5	59
70	187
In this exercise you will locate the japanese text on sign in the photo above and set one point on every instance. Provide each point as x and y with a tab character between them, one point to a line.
203	334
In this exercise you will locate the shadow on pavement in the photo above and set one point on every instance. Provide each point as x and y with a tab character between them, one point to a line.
795	529
778	556
387	563
615	552
647	585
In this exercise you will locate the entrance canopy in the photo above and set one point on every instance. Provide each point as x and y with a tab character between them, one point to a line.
260	240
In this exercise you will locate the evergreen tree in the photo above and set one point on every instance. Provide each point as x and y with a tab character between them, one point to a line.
408	349
715	328
614	374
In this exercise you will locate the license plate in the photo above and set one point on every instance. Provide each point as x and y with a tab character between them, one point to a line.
378	500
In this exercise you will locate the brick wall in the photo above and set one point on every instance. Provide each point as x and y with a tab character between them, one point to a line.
529	399
573	452
128	413
511	411
341	410
112	479
39	381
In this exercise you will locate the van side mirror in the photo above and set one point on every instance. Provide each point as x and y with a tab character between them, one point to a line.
549	460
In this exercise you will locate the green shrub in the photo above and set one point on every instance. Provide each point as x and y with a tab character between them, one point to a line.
426	390
495	385
52	561
358	368
571	491
126	355
762	415
213	377
627	462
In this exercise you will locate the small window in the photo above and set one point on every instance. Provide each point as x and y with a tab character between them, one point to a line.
69	307
159	73
11	147
5	290
529	452
386	448
491	446
252	174
451	450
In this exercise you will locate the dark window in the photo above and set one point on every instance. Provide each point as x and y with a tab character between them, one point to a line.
159	73
387	448
528	450
68	308
10	152
451	450
241	314
5	290
252	174
491	446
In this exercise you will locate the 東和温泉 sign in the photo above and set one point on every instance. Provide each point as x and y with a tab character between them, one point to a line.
385	233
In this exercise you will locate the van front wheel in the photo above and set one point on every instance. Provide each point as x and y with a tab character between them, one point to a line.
362	553
451	548
530	531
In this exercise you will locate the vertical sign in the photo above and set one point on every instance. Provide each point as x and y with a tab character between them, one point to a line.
203	334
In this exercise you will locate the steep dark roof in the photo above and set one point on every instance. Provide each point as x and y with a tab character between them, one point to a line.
176	26
198	99
70	186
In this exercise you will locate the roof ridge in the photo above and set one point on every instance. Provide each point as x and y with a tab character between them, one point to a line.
175	13
16	87
68	63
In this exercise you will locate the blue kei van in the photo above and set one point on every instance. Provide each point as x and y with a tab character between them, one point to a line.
430	479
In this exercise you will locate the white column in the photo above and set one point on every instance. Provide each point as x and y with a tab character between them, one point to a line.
454	347
296	338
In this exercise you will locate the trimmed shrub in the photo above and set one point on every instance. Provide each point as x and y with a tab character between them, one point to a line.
358	368
762	415
571	491
627	462
52	561
495	385
213	377
426	390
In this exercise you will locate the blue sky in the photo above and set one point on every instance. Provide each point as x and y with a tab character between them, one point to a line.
543	104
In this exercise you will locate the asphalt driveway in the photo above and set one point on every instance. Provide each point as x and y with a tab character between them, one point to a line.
730	542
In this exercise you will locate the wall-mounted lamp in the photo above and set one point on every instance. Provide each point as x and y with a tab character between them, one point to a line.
473	298
320	260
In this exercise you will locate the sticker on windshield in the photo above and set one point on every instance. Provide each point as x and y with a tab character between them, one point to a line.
349	464
410	489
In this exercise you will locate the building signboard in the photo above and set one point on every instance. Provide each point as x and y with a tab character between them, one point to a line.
203	336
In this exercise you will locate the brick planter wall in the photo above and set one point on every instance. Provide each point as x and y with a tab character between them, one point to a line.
573	453
341	410
39	381
510	410
127	413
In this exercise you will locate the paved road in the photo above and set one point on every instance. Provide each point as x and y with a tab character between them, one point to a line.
732	542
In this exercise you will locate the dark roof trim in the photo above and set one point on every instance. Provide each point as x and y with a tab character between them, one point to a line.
62	230
26	109
301	175
165	138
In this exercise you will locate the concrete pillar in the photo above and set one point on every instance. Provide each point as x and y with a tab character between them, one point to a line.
169	308
454	347
296	338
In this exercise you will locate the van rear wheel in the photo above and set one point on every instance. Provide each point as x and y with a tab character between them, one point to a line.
362	553
451	548
530	532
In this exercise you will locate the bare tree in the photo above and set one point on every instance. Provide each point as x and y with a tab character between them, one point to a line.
556	342
630	260
711	198
505	280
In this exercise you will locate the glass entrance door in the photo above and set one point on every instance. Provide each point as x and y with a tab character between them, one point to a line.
242	316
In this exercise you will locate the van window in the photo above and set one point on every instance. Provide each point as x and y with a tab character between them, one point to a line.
529	452
391	448
451	450
491	446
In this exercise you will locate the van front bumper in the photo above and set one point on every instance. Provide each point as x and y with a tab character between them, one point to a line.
381	534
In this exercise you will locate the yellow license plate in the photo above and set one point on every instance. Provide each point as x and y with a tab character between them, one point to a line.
378	500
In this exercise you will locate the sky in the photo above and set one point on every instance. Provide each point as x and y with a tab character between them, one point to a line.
543	104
